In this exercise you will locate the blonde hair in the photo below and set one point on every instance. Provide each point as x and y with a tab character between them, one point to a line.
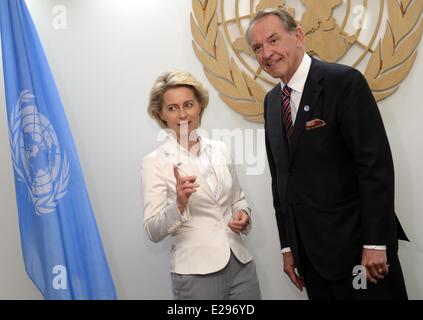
174	79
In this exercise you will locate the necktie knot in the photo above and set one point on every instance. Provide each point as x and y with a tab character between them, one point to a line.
286	91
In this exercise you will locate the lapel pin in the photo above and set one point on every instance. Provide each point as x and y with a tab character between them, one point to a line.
179	164
307	108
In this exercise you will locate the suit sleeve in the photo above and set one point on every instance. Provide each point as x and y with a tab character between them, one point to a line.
364	133
280	220
161	215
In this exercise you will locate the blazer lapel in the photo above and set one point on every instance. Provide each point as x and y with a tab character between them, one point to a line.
188	169
186	166
312	90
219	163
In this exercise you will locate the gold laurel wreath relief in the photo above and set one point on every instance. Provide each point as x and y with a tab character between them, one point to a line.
388	66
396	53
236	88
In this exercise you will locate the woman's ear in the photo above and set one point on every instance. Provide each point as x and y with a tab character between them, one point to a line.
161	116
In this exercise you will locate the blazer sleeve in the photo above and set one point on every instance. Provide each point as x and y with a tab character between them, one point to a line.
364	133
280	219
161	214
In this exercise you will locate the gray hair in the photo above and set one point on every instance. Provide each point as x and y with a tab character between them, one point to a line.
175	79
287	20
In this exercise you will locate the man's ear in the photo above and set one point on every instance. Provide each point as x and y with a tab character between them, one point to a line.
299	34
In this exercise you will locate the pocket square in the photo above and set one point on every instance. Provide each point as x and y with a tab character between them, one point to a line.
314	124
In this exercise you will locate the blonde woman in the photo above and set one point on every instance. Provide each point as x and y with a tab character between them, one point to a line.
191	192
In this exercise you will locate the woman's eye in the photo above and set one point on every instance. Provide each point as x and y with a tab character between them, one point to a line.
189	105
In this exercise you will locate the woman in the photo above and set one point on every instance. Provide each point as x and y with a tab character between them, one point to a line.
192	193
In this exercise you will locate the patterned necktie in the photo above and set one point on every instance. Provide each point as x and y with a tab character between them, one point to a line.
286	112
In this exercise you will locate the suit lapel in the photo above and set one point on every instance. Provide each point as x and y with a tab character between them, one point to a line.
308	103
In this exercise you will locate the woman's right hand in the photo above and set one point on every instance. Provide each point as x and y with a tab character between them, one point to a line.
185	186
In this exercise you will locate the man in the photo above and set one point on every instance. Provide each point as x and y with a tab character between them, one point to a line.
332	170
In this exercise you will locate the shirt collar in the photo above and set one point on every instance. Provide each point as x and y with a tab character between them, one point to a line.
299	78
204	143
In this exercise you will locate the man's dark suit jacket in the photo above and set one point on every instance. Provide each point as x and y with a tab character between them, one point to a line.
334	185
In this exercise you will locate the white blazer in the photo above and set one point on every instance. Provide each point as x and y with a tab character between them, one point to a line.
202	239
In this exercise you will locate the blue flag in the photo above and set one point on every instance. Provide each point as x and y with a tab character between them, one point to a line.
61	245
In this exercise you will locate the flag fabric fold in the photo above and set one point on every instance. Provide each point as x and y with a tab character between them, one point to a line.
62	248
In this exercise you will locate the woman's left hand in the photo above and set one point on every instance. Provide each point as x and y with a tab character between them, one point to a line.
239	222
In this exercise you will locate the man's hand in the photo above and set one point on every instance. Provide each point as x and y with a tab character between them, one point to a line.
289	268
375	262
240	221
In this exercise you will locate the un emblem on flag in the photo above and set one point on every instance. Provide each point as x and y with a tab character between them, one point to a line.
36	155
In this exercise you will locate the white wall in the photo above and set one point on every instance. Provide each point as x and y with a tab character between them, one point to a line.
104	64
